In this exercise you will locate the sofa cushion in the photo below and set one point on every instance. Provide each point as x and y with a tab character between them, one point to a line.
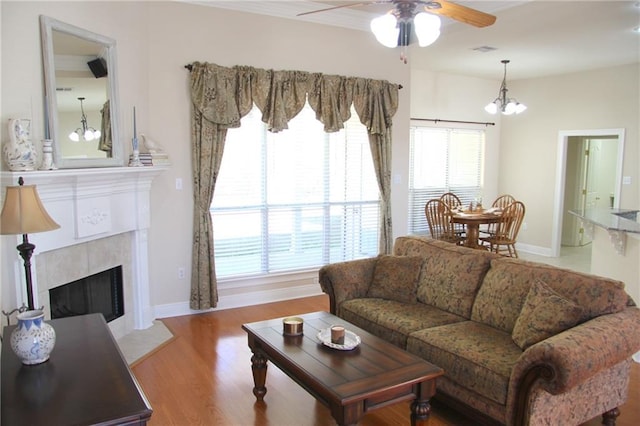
452	274
474	355
544	314
396	278
394	321
506	285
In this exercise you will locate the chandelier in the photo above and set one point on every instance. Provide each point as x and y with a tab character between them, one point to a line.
506	105
86	132
397	27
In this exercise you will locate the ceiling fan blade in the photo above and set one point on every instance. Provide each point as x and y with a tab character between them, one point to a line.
364	3
462	14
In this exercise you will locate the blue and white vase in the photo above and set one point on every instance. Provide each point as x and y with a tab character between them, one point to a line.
33	339
19	152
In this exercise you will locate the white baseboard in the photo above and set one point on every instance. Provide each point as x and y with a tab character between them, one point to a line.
528	248
241	300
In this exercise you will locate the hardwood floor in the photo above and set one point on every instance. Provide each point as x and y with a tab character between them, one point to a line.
203	377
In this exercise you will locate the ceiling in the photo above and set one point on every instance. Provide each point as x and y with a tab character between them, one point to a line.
540	37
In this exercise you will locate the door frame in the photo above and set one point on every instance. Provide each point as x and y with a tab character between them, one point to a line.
561	169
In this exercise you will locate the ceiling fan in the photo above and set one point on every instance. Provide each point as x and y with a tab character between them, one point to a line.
408	17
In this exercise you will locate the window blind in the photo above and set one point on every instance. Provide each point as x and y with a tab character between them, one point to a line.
443	160
294	200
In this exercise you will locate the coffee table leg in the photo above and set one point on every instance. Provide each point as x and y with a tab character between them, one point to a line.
259	370
421	408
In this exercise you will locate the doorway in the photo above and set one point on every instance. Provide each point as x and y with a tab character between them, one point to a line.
589	175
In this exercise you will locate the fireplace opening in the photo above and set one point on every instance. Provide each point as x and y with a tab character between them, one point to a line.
98	293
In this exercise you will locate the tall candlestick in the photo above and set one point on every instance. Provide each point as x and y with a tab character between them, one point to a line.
46	118
135	156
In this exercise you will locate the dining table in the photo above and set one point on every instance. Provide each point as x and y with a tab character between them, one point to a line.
472	221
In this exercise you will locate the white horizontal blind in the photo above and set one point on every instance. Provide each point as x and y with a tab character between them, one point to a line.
443	160
294	200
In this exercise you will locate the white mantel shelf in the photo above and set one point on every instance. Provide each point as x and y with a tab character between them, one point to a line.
44	177
95	203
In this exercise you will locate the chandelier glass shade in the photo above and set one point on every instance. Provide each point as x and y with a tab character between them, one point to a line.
85	132
502	103
391	31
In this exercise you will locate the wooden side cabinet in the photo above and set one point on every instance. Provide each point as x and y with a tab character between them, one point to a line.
86	381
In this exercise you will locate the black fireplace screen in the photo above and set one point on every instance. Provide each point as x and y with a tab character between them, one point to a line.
98	293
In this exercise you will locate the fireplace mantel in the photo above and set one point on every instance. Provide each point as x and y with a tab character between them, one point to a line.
91	204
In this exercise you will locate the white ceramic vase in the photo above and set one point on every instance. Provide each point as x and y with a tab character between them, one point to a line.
19	152
33	339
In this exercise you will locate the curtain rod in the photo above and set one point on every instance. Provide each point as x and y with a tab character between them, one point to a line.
190	67
437	120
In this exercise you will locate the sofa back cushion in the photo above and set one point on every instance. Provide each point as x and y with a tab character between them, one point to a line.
396	278
507	284
451	274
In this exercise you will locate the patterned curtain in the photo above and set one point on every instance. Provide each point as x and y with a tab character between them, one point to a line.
221	96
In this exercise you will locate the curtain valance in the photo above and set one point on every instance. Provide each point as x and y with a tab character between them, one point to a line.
224	95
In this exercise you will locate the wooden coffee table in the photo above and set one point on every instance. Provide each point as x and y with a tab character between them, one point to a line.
351	383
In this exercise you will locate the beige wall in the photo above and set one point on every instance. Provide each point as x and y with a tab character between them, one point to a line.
601	99
156	39
522	150
460	98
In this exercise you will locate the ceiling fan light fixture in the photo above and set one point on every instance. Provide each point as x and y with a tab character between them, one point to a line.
427	28
386	30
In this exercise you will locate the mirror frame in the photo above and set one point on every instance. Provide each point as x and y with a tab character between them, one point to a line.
47	25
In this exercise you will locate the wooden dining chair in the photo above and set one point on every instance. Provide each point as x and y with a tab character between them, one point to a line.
439	220
504	240
499	203
503	201
453	202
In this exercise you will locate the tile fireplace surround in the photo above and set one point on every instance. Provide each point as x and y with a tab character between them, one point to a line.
104	216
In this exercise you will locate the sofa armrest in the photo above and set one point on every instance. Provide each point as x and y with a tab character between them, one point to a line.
346	280
567	359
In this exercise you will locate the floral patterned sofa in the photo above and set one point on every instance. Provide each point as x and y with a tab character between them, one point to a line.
520	342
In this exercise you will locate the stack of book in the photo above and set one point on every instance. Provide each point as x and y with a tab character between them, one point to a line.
160	158
145	158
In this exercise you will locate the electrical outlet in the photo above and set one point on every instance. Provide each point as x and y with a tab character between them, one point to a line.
524	226
181	273
179	184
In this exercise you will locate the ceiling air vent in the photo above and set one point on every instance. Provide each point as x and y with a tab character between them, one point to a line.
484	49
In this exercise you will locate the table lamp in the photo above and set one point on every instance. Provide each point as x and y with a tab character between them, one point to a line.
23	213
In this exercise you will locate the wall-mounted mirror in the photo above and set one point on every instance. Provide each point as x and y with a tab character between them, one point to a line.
81	96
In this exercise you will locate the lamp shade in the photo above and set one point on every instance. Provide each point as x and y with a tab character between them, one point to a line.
23	212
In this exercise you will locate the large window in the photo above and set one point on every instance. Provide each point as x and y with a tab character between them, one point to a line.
294	200
443	160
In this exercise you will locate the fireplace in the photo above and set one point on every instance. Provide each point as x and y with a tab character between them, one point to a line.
98	293
104	216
